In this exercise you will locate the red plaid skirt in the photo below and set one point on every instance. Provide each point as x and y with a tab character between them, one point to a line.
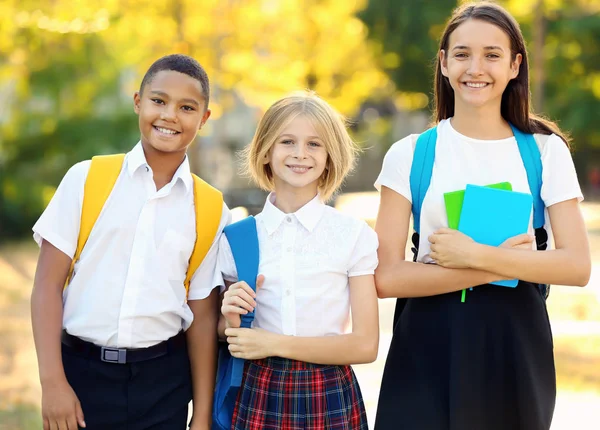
282	394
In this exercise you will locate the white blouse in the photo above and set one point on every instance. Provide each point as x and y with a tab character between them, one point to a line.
306	258
461	160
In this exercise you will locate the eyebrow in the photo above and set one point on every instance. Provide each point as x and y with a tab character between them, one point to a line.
165	95
487	48
291	135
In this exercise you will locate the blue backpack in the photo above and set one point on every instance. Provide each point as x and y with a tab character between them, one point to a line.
420	178
243	240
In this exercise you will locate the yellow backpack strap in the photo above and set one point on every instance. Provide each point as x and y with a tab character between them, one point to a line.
101	178
208	205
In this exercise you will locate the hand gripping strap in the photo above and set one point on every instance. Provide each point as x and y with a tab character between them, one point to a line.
243	240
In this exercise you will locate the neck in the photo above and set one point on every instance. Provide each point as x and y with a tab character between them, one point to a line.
163	164
483	122
290	201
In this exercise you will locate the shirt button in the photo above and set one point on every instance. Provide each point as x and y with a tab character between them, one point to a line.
288	292
288	219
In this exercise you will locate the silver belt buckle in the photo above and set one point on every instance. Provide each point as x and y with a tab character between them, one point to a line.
113	355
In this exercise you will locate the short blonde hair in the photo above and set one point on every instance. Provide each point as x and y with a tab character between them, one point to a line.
331	127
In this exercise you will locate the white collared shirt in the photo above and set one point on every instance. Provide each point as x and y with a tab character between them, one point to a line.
127	290
306	258
462	160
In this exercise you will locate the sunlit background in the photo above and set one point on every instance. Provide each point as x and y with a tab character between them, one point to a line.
68	70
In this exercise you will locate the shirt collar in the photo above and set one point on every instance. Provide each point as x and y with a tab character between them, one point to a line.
137	159
308	215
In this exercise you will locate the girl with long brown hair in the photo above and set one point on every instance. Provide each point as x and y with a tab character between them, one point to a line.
486	363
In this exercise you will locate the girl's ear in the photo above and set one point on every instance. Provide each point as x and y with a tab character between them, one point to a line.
326	173
443	62
267	158
515	66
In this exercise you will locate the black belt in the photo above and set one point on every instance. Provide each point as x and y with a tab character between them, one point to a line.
122	355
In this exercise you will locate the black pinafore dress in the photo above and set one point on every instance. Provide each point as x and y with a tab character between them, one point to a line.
486	364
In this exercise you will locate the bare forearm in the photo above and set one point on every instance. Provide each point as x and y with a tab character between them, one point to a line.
559	267
46	319
336	350
202	350
408	279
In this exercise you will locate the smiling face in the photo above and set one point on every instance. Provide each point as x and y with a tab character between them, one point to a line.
297	158
479	64
171	110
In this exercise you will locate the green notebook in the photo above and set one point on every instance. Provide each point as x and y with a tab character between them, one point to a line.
454	202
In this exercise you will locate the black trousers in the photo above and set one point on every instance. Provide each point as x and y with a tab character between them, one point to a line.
149	395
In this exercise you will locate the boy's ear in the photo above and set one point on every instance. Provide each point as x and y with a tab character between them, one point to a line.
443	62
204	118
136	102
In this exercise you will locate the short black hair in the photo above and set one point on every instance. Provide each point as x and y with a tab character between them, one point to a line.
182	64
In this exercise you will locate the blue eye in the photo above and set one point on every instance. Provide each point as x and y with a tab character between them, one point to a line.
314	144
287	142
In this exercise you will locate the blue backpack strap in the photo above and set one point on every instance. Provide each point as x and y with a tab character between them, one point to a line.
532	160
420	172
243	240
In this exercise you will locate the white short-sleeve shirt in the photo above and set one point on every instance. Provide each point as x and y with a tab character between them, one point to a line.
461	160
127	289
307	258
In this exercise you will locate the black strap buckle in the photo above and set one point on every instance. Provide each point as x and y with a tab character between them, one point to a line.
113	355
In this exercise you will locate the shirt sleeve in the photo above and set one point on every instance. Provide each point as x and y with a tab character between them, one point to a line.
395	172
207	276
559	177
363	260
59	223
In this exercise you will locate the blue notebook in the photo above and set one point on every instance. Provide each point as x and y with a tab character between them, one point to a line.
490	216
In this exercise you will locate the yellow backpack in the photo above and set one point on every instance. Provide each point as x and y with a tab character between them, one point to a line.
101	179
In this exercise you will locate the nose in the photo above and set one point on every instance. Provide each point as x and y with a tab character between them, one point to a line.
300	150
168	114
475	67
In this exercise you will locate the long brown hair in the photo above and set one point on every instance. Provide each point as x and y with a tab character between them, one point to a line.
515	106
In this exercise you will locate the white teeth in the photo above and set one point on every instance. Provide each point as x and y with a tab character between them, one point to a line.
298	169
475	84
165	130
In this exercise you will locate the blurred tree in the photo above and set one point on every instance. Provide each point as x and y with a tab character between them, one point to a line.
405	36
68	70
567	83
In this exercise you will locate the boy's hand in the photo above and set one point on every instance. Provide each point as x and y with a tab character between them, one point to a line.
238	300
61	409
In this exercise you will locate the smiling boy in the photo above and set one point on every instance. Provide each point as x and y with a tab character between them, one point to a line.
132	337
